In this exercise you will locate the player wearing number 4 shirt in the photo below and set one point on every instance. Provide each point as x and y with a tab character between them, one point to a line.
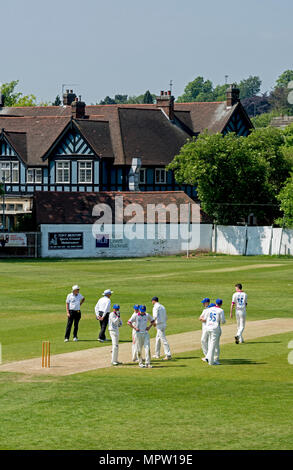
239	301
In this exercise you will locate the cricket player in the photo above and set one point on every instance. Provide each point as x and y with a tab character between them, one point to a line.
73	304
134	351
204	334
160	317
102	311
140	320
239	301
215	317
115	323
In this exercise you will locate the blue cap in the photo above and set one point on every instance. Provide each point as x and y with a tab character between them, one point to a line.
155	299
206	299
142	308
212	305
116	306
136	307
219	301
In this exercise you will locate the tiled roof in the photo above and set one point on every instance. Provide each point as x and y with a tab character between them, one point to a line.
77	207
120	132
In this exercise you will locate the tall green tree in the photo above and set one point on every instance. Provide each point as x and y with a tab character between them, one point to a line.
285	198
16	98
148	98
197	90
234	175
284	79
249	86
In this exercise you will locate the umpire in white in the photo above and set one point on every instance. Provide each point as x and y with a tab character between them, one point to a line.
73	303
102	311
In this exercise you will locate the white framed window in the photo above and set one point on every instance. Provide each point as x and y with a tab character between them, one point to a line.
160	176
9	172
142	176
63	171
85	172
34	175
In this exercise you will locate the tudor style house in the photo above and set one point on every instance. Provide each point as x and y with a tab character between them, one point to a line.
74	147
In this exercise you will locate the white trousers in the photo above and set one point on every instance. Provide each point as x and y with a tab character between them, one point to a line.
134	351
143	341
115	345
214	346
241	319
161	338
204	341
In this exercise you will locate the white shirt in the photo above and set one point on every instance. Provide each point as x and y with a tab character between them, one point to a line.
204	317
215	316
114	322
160	315
240	300
141	321
73	301
103	305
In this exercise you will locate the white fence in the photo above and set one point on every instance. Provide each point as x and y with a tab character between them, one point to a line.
252	240
77	241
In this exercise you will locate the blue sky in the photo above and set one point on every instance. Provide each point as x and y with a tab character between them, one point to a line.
129	46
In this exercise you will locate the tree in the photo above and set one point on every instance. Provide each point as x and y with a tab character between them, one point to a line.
263	120
120	99
279	101
249	87
285	198
107	100
57	101
147	97
197	90
234	175
256	105
13	98
284	79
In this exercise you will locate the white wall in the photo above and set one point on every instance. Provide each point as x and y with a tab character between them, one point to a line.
148	240
130	240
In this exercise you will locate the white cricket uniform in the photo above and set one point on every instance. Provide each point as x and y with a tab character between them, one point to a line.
204	333
134	352
142	335
113	326
239	299
160	315
215	317
103	305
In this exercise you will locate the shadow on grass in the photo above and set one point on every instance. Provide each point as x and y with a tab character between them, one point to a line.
237	362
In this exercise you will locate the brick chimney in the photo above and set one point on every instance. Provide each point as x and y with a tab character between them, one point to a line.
232	96
68	97
166	102
78	109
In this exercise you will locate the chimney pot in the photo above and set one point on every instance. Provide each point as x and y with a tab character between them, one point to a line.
232	95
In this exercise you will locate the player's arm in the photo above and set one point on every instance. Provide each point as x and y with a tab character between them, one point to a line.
82	300
153	322
67	307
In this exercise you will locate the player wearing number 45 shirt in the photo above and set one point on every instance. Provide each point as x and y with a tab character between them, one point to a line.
239	301
214	318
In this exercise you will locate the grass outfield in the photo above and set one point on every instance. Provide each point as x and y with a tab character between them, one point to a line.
244	404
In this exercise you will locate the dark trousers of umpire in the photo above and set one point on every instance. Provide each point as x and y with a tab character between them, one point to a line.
103	324
74	317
